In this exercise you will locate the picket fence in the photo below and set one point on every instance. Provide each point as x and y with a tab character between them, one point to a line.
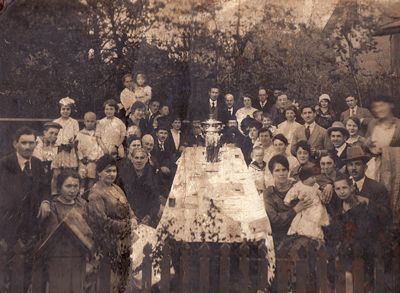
196	273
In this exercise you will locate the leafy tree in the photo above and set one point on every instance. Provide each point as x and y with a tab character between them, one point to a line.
353	36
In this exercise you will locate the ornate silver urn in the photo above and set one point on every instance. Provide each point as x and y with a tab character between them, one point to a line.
212	129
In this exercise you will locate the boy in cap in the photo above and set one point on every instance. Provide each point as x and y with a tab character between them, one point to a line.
46	148
310	221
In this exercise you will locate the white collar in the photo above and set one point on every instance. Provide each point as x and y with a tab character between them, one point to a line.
360	183
211	102
340	149
312	125
21	161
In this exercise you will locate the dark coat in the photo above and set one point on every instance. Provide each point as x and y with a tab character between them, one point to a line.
195	140
267	107
379	200
143	193
225	115
340	160
202	110
20	198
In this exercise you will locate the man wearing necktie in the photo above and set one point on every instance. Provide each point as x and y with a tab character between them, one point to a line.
378	196
228	111
316	136
356	111
24	196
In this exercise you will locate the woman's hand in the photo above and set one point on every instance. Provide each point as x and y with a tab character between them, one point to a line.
303	204
326	194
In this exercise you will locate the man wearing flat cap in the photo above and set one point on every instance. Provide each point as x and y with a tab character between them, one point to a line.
338	135
46	148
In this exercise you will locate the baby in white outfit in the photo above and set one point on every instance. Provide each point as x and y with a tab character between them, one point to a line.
308	222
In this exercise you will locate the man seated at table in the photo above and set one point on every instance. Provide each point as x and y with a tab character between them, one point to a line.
165	157
196	137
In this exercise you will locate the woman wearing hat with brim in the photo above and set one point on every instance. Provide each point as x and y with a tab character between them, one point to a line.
325	113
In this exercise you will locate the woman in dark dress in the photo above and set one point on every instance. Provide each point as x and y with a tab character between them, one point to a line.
112	221
279	214
140	183
67	202
302	152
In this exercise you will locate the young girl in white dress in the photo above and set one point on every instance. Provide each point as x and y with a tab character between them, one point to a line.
66	157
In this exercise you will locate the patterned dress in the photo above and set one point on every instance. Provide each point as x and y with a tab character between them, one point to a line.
66	157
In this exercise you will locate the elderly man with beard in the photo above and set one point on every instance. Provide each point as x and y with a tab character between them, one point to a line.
140	184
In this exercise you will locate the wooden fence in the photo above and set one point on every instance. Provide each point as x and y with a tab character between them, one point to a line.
198	273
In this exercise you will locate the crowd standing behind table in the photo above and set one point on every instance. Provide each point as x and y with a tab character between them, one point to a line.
146	139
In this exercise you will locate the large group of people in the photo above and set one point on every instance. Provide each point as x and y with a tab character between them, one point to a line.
318	172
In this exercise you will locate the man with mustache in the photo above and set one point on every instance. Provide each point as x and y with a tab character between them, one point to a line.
375	192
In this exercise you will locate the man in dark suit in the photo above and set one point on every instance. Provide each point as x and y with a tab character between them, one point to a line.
208	108
315	135
196	137
263	103
338	135
23	195
164	155
375	192
154	107
228	111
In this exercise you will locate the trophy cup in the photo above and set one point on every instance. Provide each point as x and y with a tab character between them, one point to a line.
212	129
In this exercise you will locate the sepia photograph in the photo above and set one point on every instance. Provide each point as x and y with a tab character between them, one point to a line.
199	146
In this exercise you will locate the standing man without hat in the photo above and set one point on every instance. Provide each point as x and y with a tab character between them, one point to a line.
315	135
24	197
263	103
228	112
356	111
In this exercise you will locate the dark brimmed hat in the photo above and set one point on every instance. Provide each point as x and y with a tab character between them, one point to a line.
308	171
104	162
356	153
338	126
51	124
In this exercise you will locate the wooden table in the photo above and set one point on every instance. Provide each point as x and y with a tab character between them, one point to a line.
216	202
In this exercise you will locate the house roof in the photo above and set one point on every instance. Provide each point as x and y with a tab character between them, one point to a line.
79	232
390	28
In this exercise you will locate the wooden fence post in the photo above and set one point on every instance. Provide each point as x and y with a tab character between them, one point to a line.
301	270
224	268
358	275
185	269
340	279
379	271
396	268
104	280
322	271
3	271
204	278
165	267
38	281
262	278
147	271
18	270
244	267
283	271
